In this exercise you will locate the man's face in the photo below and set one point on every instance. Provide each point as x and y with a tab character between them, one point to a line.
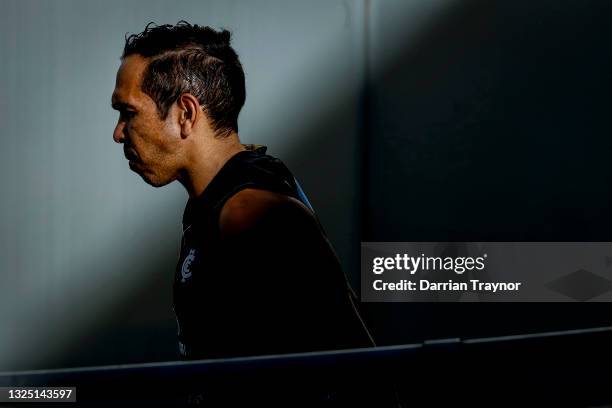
151	145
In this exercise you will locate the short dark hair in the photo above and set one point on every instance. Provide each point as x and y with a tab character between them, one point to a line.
193	59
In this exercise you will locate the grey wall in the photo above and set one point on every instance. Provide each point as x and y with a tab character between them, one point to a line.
87	249
404	120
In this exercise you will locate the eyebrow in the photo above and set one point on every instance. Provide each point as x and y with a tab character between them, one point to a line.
119	105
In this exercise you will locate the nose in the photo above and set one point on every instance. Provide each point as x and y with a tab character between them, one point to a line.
118	133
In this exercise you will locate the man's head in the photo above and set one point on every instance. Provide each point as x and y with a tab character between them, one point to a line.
175	80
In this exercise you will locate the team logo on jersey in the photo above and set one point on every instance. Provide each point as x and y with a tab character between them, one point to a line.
186	268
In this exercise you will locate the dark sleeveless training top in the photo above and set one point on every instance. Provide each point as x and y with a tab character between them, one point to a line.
278	288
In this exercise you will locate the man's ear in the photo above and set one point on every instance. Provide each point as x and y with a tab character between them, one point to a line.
189	113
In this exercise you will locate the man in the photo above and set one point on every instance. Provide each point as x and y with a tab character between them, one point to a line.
256	273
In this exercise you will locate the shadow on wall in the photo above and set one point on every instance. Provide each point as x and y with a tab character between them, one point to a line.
106	318
493	126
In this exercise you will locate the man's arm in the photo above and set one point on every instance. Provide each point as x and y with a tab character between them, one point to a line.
291	293
245	209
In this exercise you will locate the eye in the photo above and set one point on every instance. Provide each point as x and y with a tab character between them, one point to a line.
126	114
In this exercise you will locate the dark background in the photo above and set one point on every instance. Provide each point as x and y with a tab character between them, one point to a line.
428	120
493	126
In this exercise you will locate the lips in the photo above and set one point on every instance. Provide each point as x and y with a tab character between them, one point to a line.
130	154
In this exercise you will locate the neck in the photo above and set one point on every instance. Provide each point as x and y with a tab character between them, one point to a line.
206	161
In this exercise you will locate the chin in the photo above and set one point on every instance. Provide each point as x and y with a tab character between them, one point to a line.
155	181
151	177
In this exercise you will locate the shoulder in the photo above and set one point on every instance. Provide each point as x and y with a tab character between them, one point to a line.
250	208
